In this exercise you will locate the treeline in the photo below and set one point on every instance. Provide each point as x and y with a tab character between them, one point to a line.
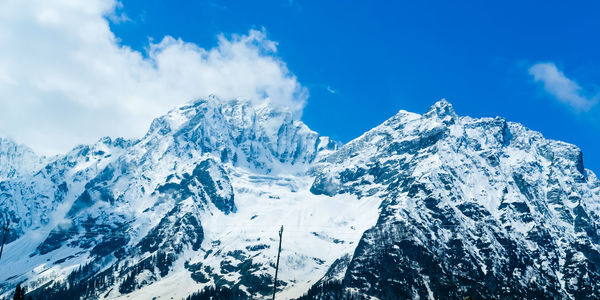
77	285
20	293
162	261
334	290
331	290
85	282
218	293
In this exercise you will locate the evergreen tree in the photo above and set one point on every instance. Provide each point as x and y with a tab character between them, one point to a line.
221	293
19	293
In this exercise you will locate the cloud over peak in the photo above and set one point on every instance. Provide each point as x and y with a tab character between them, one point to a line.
561	87
65	80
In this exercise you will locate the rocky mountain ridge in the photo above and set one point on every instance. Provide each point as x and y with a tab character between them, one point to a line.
423	206
478	207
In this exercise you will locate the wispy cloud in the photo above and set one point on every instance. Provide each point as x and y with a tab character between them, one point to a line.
331	90
561	87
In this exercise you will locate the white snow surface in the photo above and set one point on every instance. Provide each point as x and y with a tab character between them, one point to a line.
265	203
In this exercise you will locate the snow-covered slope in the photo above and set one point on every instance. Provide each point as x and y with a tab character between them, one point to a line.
134	215
431	205
472	207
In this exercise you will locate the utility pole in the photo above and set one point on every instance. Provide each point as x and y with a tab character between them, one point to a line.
5	229
277	265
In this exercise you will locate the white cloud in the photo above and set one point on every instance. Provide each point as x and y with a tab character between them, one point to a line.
65	80
562	88
331	90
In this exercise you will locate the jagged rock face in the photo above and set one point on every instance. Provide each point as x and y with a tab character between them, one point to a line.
16	161
473	207
258	137
31	198
208	180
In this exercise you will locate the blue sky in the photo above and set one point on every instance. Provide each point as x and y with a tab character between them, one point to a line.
363	61
73	71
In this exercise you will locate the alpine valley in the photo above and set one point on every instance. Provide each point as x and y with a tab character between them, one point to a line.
431	206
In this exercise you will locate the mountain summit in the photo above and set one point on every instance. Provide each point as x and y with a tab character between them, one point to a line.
423	206
442	110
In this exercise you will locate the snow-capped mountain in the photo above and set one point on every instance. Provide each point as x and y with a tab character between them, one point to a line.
423	206
17	159
471	207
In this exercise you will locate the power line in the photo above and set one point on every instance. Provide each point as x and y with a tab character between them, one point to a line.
5	229
277	265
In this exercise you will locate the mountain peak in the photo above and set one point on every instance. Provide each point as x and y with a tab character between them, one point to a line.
257	135
442	110
17	159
